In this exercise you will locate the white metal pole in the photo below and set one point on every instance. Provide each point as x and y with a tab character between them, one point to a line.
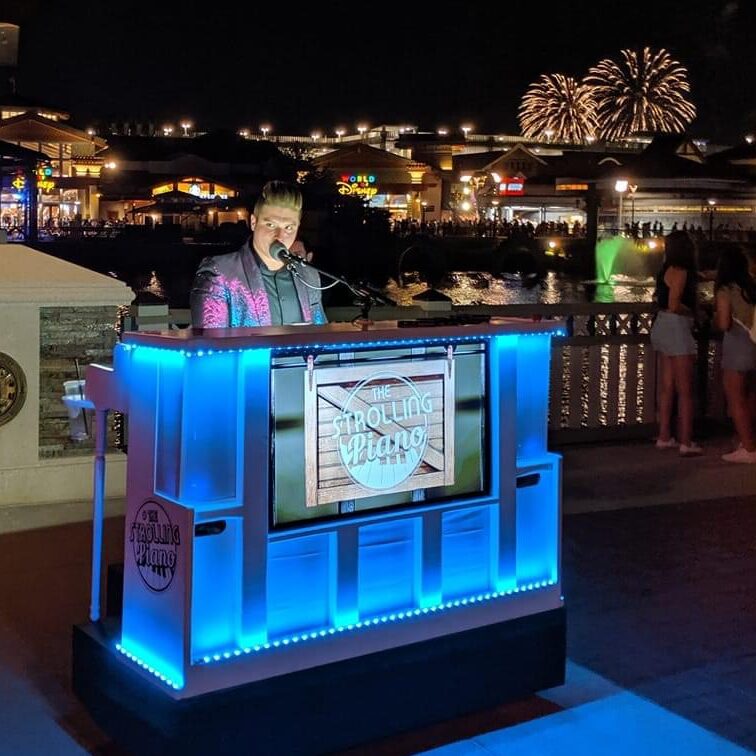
98	507
619	216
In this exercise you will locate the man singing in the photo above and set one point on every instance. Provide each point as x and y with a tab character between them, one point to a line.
250	287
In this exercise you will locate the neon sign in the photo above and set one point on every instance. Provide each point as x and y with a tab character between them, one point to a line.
358	185
512	187
19	183
44	178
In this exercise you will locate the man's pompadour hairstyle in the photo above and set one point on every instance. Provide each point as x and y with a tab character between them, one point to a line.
279	194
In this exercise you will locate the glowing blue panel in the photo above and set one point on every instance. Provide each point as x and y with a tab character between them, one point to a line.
388	570
168	440
466	551
210	432
538	528
533	354
216	589
298	584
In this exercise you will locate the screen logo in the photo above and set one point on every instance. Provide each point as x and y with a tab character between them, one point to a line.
382	430
375	430
155	544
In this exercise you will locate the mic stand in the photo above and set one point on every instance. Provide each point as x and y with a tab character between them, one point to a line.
366	297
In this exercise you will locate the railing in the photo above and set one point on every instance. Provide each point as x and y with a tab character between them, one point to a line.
604	375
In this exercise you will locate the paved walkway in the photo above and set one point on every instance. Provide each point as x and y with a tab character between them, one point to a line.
659	571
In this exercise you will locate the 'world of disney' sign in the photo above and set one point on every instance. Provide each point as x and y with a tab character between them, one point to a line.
372	430
358	184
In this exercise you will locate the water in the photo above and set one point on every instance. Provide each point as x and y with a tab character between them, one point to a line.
476	288
464	288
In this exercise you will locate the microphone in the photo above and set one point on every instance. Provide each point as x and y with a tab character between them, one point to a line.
278	251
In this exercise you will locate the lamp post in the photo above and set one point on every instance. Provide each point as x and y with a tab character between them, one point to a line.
466	130
632	188
265	130
712	208
186	125
362	129
620	186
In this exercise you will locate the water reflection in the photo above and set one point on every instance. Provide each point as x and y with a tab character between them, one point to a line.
464	288
476	288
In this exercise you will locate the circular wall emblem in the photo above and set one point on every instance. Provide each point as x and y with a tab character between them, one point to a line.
155	541
12	388
383	430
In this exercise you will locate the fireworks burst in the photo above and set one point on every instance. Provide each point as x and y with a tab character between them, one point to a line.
646	92
559	106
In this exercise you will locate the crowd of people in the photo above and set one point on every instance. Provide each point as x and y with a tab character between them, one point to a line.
489	228
720	232
672	337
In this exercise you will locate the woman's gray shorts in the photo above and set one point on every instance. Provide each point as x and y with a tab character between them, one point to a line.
738	351
671	334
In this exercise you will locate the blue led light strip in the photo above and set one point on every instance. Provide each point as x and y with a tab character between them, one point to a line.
170	683
386	618
348	347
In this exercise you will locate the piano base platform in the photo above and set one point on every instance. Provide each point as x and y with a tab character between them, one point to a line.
327	708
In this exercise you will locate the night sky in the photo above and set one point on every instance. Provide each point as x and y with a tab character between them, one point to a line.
322	68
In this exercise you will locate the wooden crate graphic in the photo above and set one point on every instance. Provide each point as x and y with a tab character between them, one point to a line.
372	430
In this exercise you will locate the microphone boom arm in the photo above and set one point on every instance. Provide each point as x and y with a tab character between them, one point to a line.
294	262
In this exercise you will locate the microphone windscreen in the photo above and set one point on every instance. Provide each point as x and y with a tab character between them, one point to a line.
275	250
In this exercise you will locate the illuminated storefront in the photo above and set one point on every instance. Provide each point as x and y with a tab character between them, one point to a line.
403	187
191	202
67	177
196	187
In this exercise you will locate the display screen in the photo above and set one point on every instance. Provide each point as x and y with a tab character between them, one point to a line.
377	430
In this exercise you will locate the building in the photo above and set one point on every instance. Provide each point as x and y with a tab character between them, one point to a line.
68	171
403	187
669	181
191	182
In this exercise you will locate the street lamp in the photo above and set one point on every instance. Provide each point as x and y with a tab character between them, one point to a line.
186	125
749	138
244	133
339	133
265	129
620	186
167	130
315	136
632	188
362	129
466	130
442	131
712	207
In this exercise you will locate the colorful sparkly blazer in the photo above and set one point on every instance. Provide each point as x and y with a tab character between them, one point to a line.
228	292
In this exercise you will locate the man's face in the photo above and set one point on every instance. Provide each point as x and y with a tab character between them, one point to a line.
273	224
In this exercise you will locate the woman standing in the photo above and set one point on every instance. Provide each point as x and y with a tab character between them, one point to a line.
735	296
671	336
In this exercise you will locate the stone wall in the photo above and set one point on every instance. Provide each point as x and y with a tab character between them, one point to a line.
66	334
